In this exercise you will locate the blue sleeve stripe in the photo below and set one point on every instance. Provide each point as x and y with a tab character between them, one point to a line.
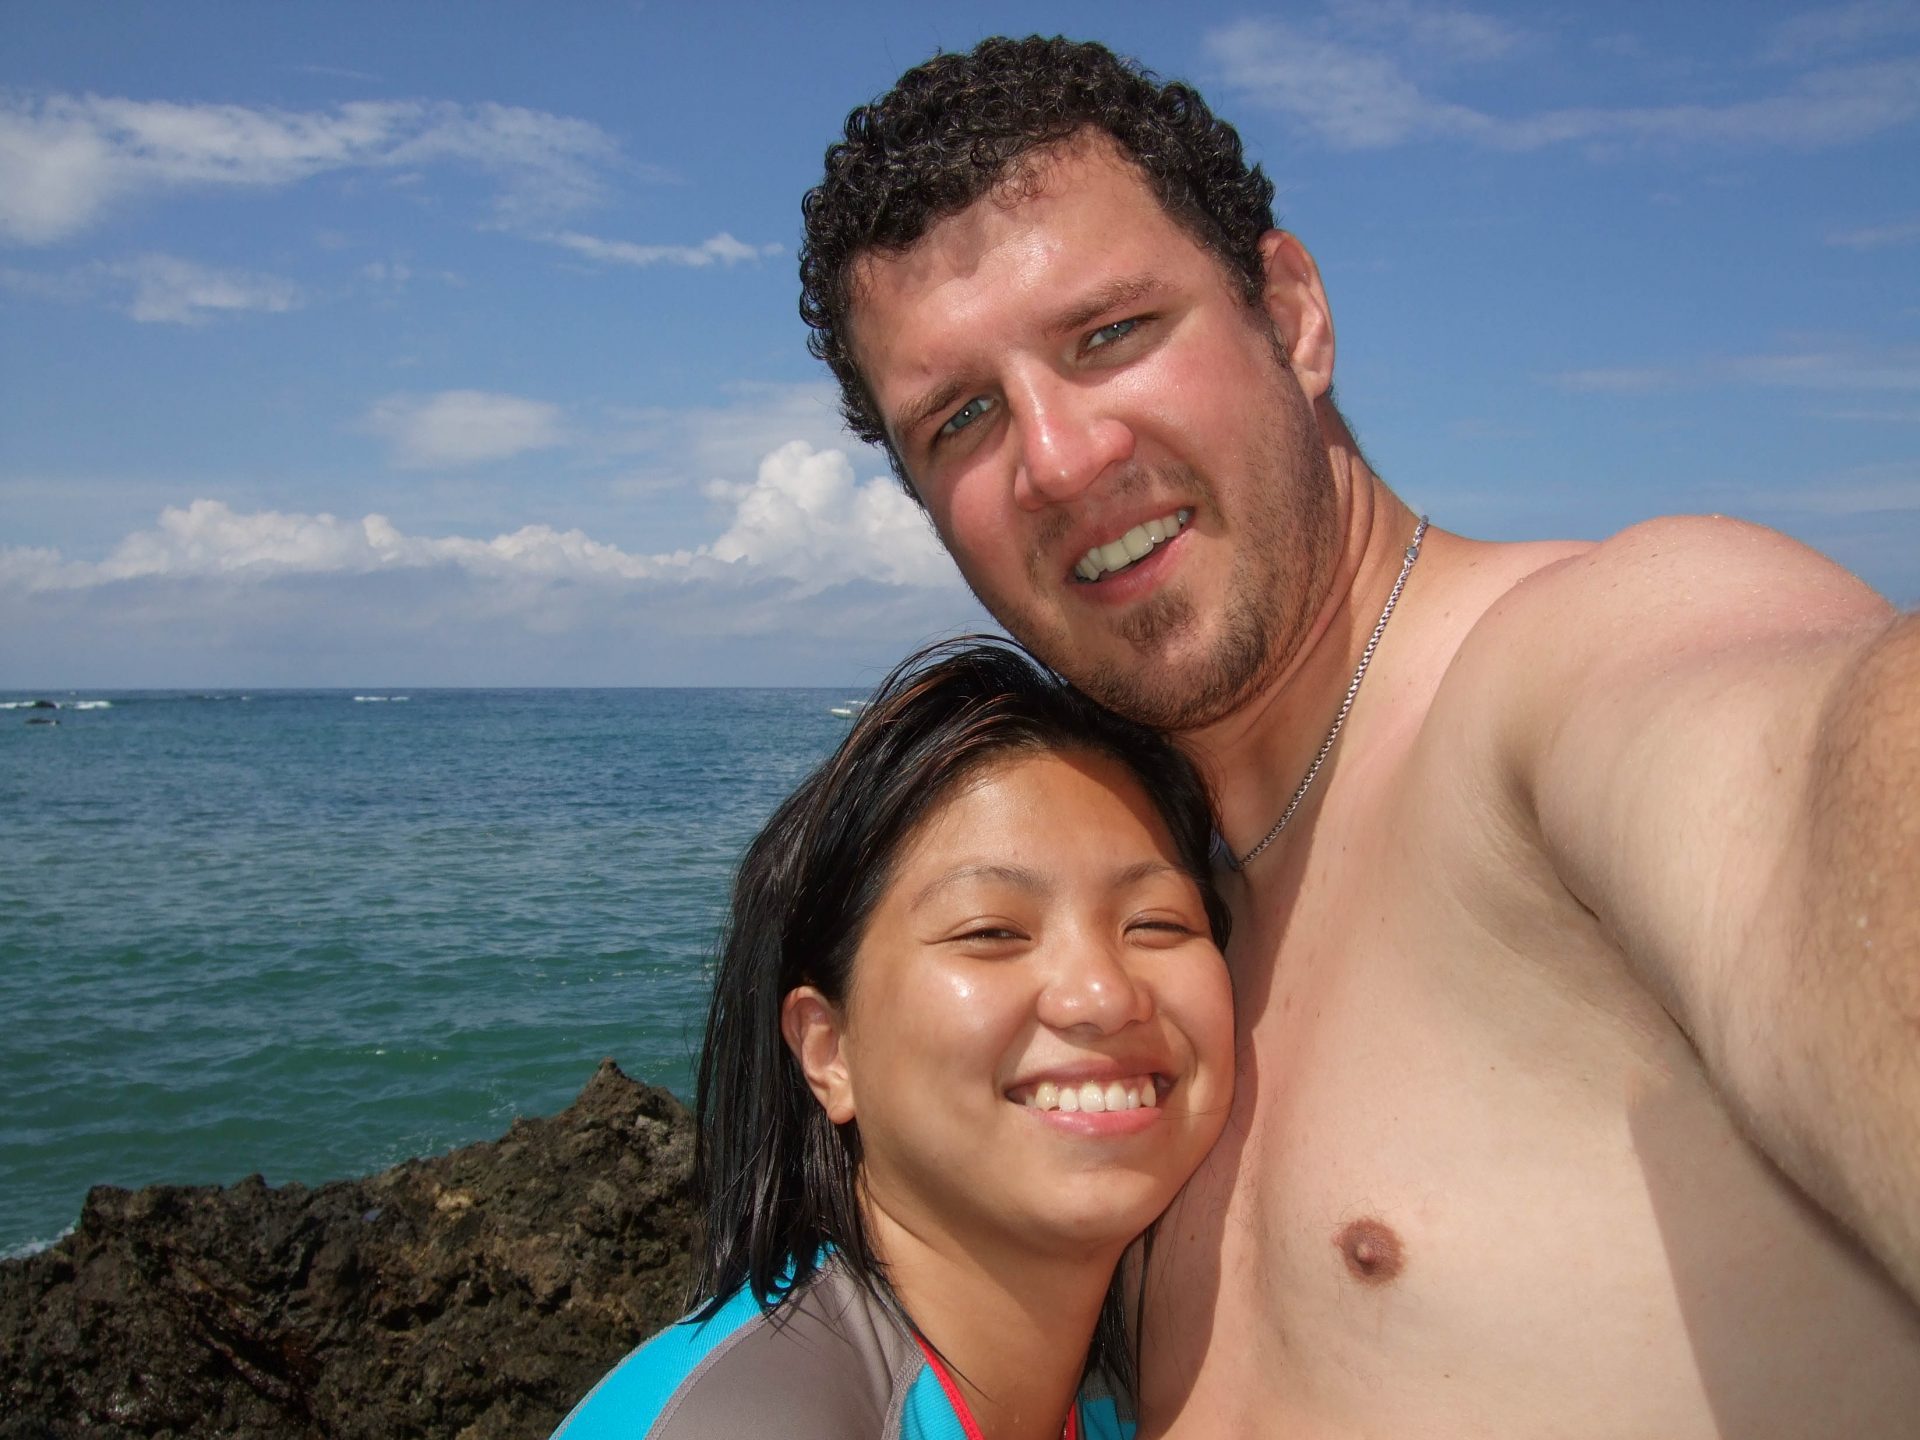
625	1404
927	1415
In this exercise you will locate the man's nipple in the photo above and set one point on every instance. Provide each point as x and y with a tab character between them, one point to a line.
1371	1250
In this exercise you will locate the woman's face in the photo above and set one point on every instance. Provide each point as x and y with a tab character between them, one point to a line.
1037	1042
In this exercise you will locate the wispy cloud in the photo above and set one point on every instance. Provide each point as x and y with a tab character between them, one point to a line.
166	288
1620	380
67	160
1878	237
456	428
720	249
1354	87
1842	29
1833	367
1892	486
804	522
1440	32
163	288
1839	367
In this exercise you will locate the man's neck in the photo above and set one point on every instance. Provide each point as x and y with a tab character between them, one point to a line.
1255	757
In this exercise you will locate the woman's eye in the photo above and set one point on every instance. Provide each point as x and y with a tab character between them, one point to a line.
1161	928
1107	334
990	932
966	415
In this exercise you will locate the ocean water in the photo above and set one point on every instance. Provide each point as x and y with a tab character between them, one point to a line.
310	934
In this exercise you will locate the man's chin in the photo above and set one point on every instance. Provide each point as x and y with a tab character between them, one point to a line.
1178	681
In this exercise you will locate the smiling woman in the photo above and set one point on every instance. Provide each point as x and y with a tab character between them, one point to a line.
971	1031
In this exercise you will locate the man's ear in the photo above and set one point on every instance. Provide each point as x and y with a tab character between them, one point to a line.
1296	302
813	1030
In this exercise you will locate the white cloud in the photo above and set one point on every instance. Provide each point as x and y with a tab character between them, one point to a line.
1361	96
806	519
463	427
722	249
730	439
67	160
803	525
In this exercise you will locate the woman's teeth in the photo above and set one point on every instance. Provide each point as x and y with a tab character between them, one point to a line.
1094	1098
1132	546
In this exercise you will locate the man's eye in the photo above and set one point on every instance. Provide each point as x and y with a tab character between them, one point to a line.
966	415
1107	334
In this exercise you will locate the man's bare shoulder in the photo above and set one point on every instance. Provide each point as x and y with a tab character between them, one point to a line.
1571	619
1692	582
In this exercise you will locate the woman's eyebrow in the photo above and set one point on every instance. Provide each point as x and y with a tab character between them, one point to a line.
1018	876
1032	881
1144	870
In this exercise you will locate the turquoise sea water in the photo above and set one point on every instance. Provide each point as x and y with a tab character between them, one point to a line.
309	934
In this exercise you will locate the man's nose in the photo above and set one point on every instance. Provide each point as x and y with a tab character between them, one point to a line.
1090	984
1067	441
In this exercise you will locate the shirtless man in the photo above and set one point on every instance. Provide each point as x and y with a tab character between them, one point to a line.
1579	1087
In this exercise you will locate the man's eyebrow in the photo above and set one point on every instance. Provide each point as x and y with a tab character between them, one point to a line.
1125	290
917	411
1121	291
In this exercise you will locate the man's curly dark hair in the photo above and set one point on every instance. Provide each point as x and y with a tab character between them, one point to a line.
956	127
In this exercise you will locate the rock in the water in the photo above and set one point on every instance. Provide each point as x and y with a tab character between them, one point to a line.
477	1295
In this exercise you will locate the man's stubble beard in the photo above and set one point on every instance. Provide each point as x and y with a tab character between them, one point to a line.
1283	553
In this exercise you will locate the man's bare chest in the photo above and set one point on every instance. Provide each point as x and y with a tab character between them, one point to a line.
1467	1175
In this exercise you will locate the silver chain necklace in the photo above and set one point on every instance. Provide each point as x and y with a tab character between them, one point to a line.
1353	689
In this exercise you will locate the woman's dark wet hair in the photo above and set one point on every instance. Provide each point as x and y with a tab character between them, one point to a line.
777	1179
960	125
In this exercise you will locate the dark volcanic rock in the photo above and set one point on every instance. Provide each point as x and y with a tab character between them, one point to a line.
477	1295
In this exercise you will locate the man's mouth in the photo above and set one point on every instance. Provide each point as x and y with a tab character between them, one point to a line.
1094	1097
1131	548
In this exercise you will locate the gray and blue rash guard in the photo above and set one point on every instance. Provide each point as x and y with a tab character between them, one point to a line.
828	1363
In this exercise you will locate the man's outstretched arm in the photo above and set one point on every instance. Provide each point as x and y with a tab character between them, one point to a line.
1845	1107
1721	751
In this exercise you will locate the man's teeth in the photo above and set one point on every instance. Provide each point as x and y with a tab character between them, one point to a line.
1118	554
1094	1098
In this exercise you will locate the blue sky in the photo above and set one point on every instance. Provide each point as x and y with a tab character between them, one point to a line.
423	344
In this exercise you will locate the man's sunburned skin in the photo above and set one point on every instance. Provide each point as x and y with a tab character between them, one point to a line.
1560	1229
1476	1180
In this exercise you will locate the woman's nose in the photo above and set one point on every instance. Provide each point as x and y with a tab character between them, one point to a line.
1090	984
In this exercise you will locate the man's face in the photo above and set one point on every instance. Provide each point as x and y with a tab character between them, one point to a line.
1106	436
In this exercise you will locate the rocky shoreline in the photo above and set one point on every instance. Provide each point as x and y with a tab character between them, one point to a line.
475	1295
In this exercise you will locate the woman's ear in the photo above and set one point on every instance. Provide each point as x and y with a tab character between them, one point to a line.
813	1031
